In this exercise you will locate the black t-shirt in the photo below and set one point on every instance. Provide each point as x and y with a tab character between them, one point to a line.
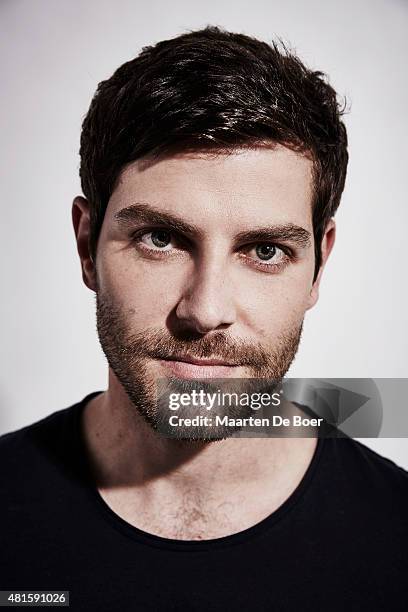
338	543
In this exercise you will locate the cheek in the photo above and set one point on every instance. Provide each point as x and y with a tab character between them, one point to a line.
145	291
274	305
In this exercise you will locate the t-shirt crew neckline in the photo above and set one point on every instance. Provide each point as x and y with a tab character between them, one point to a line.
187	545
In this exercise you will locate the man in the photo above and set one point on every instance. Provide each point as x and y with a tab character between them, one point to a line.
212	166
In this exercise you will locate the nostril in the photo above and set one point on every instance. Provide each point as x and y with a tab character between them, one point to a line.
206	305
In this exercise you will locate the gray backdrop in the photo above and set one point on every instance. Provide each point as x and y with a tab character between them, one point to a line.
53	54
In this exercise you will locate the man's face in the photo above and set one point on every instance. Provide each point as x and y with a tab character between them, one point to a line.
204	268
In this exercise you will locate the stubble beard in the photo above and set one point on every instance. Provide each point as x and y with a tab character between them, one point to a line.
128	353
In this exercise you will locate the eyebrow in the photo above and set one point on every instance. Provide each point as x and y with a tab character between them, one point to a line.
144	212
287	232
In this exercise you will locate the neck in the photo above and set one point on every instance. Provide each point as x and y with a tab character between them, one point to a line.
135	468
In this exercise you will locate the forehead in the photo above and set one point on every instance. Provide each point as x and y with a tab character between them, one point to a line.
251	186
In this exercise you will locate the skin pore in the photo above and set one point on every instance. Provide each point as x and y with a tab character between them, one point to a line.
204	257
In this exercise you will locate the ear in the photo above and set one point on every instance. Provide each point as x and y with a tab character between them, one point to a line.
326	247
81	222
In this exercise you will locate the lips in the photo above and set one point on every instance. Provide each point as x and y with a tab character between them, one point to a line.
200	361
190	367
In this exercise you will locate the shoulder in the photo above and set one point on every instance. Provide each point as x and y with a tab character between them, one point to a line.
59	424
40	471
20	440
374	464
367	475
22	444
39	451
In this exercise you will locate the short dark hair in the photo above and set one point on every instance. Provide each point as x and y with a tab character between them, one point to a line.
219	90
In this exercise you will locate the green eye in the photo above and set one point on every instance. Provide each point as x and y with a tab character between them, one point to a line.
160	238
267	256
265	251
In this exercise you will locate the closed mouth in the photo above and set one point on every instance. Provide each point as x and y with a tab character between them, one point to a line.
200	362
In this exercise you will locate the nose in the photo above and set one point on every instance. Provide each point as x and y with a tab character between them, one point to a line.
207	302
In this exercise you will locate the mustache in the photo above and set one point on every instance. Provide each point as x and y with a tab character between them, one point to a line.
157	343
161	345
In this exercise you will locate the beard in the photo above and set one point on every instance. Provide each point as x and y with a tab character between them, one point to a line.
128	354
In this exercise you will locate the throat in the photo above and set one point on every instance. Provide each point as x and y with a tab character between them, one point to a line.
190	494
206	512
185	517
